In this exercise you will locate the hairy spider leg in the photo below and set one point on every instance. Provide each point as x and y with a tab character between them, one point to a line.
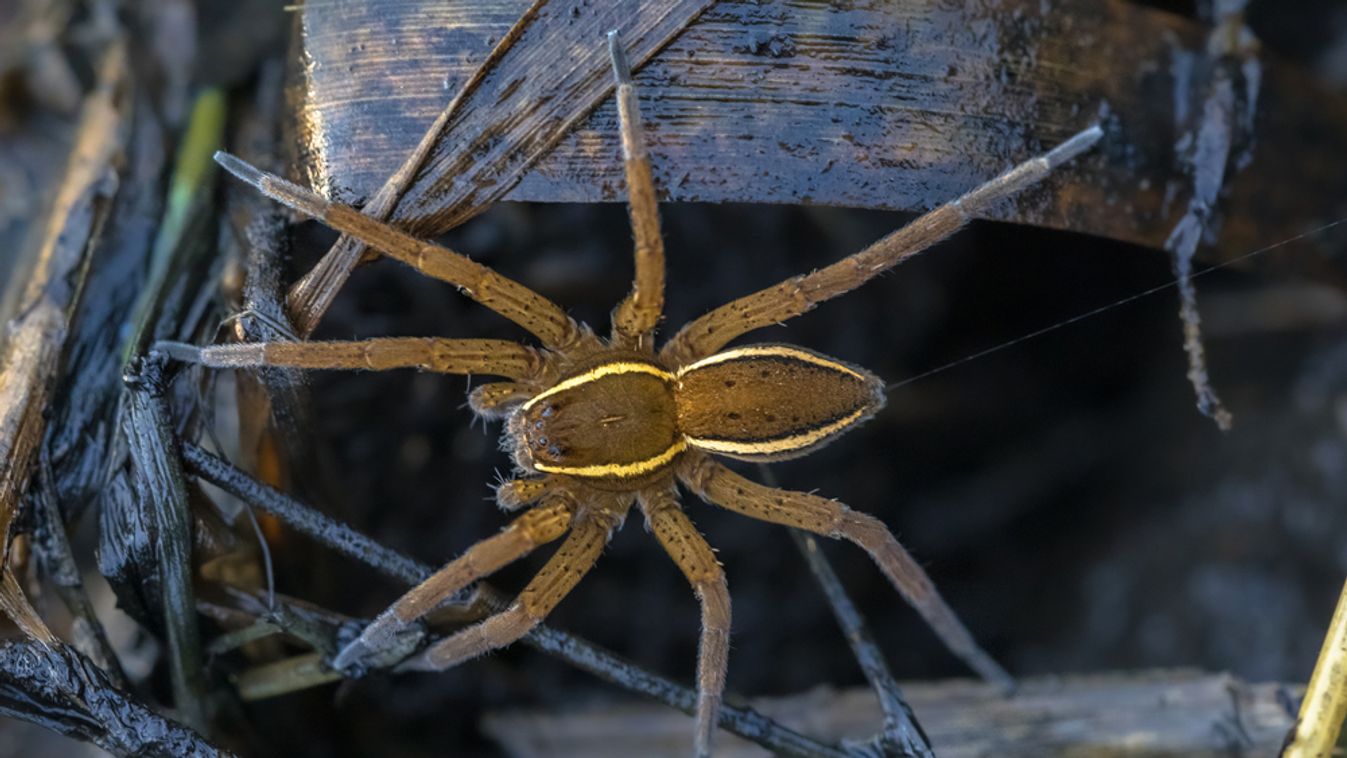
536	527
590	532
311	296
540	316
448	356
781	302
636	316
681	540
720	486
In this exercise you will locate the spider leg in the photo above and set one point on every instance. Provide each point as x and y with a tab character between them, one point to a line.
576	556
449	356
799	294
638	314
536	527
544	318
720	486
697	560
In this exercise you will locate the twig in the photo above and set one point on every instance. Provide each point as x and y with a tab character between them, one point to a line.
152	446
579	653
901	731
52	548
57	688
274	400
314	626
240	637
302	518
312	295
1211	156
285	676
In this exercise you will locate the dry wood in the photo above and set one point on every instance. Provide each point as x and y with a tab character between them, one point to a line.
880	105
1156	713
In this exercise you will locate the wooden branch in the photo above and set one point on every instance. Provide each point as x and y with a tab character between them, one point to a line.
1153	713
896	105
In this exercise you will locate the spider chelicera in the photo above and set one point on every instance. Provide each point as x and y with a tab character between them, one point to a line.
597	425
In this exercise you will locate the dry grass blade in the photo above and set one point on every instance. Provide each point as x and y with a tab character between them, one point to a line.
56	559
1325	704
37	334
147	422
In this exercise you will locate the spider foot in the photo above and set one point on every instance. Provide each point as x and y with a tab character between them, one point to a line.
380	645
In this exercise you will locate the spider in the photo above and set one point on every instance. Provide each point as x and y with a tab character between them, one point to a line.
598	425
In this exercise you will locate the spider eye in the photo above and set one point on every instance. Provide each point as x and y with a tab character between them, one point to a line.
548	410
554	451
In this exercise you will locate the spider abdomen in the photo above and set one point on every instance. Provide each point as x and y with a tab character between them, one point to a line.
769	402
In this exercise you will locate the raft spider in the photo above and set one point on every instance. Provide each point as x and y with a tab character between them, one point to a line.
597	425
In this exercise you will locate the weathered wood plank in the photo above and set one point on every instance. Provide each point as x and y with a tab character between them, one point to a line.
1153	713
895	105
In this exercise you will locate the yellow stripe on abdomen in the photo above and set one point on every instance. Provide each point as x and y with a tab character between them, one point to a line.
773	448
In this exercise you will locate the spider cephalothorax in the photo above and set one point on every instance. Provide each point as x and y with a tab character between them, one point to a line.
598	425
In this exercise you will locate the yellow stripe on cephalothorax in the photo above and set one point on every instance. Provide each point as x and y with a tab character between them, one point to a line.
780	445
599	372
772	351
618	470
